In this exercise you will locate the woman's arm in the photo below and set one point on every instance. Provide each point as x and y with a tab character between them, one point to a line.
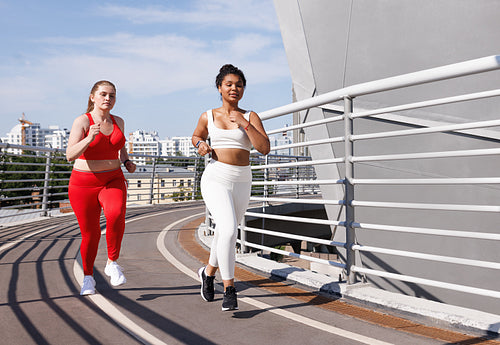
123	153
200	135
78	142
257	134
127	163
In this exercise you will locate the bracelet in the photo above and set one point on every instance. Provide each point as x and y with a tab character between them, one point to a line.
125	162
198	143
246	128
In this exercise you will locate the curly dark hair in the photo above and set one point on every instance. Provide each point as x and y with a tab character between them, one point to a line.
229	69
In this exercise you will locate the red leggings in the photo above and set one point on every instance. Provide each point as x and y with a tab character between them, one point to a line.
88	193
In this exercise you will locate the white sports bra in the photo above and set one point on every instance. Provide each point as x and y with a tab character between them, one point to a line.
228	138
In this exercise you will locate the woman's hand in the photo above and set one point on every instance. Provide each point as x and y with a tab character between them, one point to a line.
94	130
130	166
204	148
236	117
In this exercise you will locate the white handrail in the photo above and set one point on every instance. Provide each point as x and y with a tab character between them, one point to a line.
295	183
418	131
460	69
298	201
428	206
306	124
294	255
294	219
424	256
443	154
428	181
297	164
429	231
429	282
430	103
296	237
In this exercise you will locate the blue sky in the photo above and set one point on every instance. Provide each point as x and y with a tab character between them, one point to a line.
163	57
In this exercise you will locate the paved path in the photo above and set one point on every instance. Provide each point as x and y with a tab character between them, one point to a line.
160	304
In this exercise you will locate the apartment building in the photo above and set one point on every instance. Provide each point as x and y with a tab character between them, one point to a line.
167	184
34	135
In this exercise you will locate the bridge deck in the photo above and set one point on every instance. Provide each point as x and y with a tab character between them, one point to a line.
160	304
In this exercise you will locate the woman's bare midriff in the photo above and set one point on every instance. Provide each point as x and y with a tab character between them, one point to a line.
232	156
96	165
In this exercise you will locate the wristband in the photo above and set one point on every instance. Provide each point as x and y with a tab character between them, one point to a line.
198	143
125	161
246	128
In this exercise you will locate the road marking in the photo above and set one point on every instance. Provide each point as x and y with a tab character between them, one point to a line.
100	301
11	244
158	214
109	309
160	243
116	315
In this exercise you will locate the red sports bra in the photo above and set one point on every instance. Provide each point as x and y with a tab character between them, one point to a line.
104	147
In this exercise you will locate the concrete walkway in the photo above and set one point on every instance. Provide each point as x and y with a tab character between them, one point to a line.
160	304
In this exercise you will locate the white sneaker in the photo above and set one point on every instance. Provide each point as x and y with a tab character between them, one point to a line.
88	286
114	271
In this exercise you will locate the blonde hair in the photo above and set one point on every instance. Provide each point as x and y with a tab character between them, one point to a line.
90	105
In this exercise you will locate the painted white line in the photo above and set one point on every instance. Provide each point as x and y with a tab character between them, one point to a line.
121	319
106	306
109	309
13	243
160	243
157	214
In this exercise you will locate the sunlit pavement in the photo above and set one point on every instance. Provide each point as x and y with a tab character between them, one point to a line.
160	303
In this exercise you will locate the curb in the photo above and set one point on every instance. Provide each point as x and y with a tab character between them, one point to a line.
418	309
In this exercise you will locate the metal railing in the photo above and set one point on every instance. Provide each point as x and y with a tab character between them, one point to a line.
352	265
282	180
34	181
164	179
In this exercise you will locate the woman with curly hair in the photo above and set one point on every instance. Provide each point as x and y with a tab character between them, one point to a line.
226	181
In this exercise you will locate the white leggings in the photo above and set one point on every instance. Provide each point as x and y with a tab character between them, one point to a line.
226	191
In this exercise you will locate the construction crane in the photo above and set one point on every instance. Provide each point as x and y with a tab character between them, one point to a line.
24	124
131	143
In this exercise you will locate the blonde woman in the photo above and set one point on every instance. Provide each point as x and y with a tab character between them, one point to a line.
97	145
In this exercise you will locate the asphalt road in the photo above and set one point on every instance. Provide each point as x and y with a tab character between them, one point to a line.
40	276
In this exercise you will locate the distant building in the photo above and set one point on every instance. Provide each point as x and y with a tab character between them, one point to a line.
169	184
140	142
35	135
281	140
57	138
168	147
183	146
144	143
149	143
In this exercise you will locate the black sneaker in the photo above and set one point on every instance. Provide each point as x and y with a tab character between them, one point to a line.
230	302
207	285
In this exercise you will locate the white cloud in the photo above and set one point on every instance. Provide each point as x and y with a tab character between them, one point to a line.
55	74
243	14
163	63
142	66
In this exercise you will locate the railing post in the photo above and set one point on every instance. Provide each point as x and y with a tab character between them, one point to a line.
264	203
349	190
297	172
45	197
207	213
195	182
266	178
243	235
151	190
